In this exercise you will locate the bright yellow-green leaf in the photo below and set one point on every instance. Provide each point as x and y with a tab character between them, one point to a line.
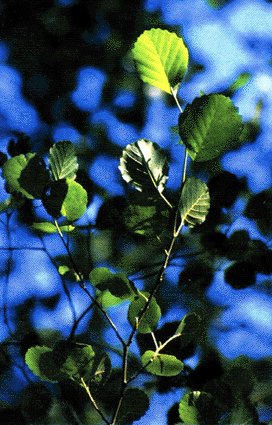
194	202
75	202
161	58
161	364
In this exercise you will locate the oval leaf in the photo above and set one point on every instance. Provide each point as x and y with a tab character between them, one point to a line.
161	58
161	364
145	166
197	408
210	126
63	161
134	405
151	316
75	201
194	202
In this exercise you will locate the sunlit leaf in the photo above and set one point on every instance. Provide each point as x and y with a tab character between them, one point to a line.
210	126
75	201
194	202
63	161
134	405
144	166
197	408
151	316
47	227
161	58
161	364
116	283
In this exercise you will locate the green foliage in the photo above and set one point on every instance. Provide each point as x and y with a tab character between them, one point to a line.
138	236
116	283
144	166
134	405
196	408
161	59
161	364
194	202
63	161
210	126
151	316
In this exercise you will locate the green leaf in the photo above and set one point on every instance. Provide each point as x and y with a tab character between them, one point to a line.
161	58
75	201
210	126
54	196
107	300
144	165
5	205
197	408
40	362
161	364
47	227
134	405
140	219
34	177
116	283
63	161
194	202
151	316
12	170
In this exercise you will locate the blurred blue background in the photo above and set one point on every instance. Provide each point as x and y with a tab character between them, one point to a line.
224	43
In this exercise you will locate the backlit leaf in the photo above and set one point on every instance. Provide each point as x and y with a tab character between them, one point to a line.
144	166
75	201
161	364
151	316
63	161
210	126
40	361
161	58
194	202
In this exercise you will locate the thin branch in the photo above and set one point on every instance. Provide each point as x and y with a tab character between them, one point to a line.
95	406
83	286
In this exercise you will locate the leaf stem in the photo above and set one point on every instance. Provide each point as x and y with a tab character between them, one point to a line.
87	389
174	93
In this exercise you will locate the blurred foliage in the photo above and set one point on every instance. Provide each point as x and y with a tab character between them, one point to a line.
48	44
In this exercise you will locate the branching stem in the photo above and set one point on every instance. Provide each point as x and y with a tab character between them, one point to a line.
95	406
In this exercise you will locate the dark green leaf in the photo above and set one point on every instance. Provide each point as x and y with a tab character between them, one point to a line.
197	408
194	202
63	161
161	364
116	283
54	196
210	126
34	177
243	413
134	405
189	328
144	166
151	316
161	58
